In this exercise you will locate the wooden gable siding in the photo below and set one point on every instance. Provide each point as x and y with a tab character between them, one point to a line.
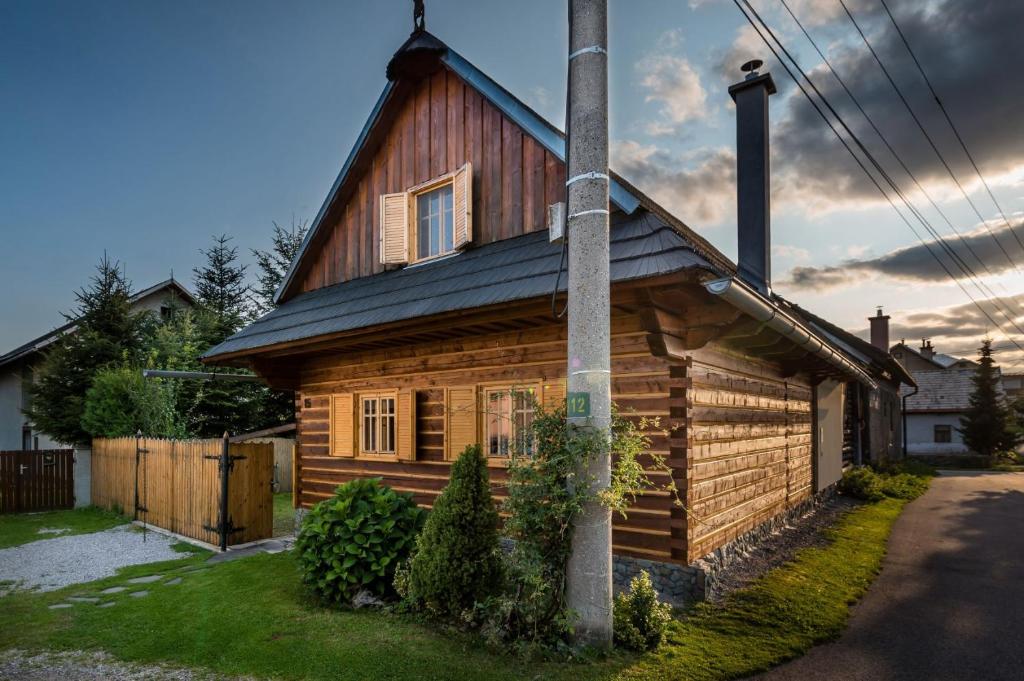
442	124
655	527
748	446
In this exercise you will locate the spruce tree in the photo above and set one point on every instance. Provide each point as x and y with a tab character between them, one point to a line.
274	263
223	308
987	426
457	562
105	333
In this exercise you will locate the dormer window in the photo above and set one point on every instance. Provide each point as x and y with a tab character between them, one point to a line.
434	223
429	220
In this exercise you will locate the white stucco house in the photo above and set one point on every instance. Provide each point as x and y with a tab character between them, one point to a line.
16	366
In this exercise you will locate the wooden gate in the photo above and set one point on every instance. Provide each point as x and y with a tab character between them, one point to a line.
37	480
179	485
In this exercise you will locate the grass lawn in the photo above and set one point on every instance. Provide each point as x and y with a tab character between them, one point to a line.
284	514
23	528
251	617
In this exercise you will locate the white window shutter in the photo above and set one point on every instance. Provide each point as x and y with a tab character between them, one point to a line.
394	228
462	205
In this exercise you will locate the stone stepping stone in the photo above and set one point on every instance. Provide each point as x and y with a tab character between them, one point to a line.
83	599
139	594
146	580
114	590
173	582
108	604
61	606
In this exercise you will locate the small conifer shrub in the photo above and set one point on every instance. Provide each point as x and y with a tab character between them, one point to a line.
457	561
639	619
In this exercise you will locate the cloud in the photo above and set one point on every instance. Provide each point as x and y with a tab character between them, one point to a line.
957	330
962	46
791	252
671	81
916	263
700	186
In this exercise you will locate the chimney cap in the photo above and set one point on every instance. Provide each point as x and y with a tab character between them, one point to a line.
753	78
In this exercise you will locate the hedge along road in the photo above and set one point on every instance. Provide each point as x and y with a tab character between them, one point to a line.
949	603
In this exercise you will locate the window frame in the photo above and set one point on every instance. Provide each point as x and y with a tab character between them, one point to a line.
485	414
947	431
413	226
379	426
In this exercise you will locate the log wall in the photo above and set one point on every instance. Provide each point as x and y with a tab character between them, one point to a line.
641	385
736	434
748	446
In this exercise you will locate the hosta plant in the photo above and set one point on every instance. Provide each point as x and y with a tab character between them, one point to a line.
353	541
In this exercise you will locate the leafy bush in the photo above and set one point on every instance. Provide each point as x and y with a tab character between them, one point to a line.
458	559
545	496
894	481
355	540
639	619
861	483
121	402
903	485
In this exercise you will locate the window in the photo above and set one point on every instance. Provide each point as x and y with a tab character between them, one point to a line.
429	220
377	424
944	433
435	225
508	416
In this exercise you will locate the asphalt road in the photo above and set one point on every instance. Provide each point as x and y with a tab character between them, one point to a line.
949	603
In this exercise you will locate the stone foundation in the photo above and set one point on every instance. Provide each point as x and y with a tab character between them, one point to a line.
681	585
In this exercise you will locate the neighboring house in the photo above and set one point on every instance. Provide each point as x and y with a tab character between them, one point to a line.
417	319
16	367
1013	386
934	411
933	414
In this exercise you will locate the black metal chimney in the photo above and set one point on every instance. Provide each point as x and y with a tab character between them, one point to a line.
753	187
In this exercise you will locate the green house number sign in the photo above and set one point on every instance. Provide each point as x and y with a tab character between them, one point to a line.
578	405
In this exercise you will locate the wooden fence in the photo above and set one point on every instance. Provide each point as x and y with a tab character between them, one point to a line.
37	480
179	485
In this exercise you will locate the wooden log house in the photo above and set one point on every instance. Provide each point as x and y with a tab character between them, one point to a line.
417	318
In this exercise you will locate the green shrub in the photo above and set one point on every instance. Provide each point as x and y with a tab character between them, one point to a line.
903	485
458	559
870	485
121	402
639	620
356	539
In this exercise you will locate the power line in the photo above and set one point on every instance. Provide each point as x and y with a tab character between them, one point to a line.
867	154
949	120
894	154
924	131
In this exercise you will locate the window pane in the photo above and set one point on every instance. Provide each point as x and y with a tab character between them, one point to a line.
434	222
387	424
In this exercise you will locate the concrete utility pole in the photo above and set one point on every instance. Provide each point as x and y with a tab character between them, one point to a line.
589	587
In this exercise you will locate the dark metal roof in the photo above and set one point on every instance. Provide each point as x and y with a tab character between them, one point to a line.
642	245
38	344
859	350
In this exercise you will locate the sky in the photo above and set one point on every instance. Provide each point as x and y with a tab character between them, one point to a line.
142	129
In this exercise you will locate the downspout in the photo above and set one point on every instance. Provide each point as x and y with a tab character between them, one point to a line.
746	300
904	415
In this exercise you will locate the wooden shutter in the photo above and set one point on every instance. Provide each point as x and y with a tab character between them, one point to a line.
405	424
394	228
462	205
554	395
343	436
460	411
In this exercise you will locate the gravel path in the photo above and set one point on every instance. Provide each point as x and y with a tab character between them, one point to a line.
81	666
50	564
